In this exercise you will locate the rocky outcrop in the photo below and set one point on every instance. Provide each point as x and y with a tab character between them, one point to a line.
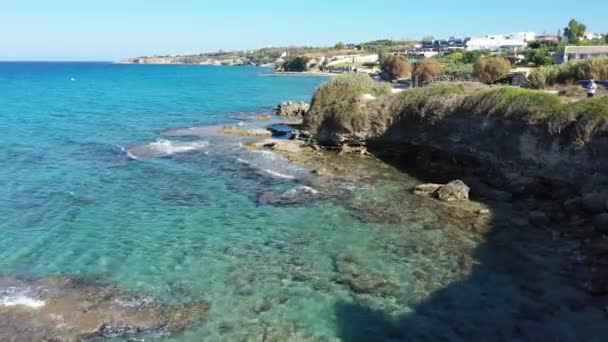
451	192
290	108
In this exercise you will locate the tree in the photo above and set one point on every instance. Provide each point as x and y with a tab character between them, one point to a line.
428	38
471	57
606	38
574	31
427	70
340	46
456	57
491	69
396	67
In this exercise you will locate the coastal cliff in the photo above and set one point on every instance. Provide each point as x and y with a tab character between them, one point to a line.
528	131
522	148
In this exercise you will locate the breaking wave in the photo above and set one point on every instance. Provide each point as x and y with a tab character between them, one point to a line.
163	147
278	174
14	296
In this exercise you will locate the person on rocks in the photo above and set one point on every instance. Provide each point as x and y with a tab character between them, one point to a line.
591	88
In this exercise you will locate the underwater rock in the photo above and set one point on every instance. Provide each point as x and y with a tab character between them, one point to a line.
263	117
246	132
297	195
601	223
358	279
67	309
539	218
595	202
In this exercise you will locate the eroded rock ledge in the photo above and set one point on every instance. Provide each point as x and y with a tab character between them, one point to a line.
69	309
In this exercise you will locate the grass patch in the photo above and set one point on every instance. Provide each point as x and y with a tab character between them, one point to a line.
529	106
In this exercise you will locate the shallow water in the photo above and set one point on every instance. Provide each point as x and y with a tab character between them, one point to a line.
99	179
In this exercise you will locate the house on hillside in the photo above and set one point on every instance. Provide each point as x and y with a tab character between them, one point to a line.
577	53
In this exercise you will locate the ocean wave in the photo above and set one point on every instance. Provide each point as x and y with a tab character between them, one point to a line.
278	174
163	147
16	296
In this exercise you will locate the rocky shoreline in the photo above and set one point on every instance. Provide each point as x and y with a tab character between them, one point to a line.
70	309
496	197
555	188
538	233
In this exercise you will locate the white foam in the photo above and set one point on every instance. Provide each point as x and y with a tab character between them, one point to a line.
163	147
278	174
308	189
19	297
169	147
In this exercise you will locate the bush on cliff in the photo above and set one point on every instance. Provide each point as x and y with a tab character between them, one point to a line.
568	73
491	69
529	106
335	102
396	67
427	103
589	117
338	108
427	70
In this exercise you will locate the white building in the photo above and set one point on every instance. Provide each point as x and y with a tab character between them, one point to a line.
496	43
577	53
591	36
525	36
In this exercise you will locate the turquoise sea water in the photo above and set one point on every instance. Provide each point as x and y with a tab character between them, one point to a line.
182	221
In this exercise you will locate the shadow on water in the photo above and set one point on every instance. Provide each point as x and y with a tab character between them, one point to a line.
513	291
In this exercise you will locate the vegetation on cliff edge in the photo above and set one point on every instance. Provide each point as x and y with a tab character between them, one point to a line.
568	73
337	109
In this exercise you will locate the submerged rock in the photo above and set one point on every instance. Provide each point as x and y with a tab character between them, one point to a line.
360	280
246	132
539	218
297	195
595	202
601	223
67	309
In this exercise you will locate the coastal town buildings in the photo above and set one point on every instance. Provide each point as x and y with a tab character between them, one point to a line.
497	43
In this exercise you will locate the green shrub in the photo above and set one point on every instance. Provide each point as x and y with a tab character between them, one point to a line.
530	106
459	71
347	87
491	69
427	70
590	115
568	73
396	66
338	96
427	103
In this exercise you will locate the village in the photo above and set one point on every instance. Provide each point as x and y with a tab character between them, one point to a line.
520	59
454	58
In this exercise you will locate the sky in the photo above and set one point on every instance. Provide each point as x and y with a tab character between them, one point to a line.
115	29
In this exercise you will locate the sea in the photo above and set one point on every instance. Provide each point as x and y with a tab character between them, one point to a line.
98	182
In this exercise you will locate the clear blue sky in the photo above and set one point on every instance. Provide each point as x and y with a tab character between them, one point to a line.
111	29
